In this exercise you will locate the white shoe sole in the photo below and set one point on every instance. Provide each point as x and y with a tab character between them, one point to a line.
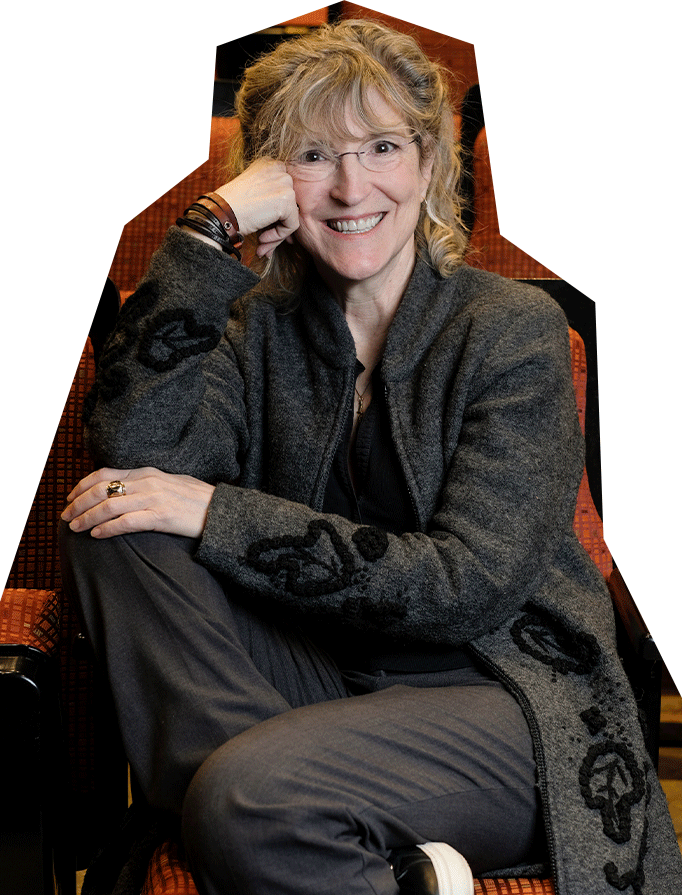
452	871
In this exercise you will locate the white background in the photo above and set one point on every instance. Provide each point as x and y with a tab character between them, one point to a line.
106	106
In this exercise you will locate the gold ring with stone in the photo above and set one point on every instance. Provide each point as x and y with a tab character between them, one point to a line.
115	488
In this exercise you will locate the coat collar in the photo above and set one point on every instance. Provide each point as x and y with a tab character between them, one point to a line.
428	301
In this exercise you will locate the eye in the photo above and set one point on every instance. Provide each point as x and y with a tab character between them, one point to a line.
312	157
383	146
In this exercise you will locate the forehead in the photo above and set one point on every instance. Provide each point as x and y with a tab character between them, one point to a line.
357	121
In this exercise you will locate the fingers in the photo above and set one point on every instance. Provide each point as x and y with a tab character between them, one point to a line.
262	197
269	239
126	523
93	488
94	508
92	479
153	501
89	503
90	491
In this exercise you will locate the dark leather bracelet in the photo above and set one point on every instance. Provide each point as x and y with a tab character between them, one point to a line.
223	211
200	219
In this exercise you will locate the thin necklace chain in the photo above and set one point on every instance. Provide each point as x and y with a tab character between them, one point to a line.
361	409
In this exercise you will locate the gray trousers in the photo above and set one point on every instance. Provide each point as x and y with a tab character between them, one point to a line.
289	777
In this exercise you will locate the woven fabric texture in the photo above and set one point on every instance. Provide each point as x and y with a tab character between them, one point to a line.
144	233
31	618
168	875
36	564
514	887
490	250
35	612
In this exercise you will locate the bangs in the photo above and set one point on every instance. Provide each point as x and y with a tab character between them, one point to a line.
324	105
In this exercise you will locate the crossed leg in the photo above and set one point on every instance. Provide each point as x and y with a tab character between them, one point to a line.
301	787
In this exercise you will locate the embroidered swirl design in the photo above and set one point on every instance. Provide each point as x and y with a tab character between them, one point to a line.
612	782
542	636
610	779
173	336
321	562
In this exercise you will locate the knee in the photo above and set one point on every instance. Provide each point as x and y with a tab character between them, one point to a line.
219	795
85	558
214	832
80	553
244	801
79	562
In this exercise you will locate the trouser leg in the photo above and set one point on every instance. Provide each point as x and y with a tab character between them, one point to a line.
314	800
188	668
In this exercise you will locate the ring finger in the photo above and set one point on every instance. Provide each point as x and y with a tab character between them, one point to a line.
101	502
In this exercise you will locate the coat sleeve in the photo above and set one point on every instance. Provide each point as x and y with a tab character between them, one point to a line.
514	456
168	383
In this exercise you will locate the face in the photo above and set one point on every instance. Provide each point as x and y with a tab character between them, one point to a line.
358	225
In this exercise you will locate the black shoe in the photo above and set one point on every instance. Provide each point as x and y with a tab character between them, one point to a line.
433	868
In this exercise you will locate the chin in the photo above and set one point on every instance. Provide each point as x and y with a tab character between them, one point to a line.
355	272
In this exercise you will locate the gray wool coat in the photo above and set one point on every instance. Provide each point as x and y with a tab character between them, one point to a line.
203	378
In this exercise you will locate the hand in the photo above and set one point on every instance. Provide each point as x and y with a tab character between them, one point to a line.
154	501
263	200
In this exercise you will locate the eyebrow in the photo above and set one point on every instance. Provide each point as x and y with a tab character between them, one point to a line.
316	141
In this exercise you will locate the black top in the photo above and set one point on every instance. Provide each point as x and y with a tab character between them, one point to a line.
380	498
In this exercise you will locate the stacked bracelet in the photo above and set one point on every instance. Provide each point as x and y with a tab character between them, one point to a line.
212	216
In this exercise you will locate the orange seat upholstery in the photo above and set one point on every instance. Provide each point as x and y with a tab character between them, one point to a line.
144	233
168	875
489	249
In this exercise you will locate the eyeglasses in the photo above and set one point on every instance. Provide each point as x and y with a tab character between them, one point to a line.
378	154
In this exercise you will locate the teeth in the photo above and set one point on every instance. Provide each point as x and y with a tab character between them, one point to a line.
361	225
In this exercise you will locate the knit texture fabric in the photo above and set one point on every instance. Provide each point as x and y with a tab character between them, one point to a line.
477	379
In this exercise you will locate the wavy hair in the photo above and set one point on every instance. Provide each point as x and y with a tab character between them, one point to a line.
306	85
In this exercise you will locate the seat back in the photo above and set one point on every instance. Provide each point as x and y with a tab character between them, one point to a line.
144	233
587	522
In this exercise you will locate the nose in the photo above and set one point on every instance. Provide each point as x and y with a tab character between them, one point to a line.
350	182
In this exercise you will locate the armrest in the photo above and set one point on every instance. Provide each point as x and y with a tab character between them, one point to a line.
641	661
36	804
31	618
637	632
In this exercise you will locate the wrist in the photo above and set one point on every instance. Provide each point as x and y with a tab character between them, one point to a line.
211	217
201	237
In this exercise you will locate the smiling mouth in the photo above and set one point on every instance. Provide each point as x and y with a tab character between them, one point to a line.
359	225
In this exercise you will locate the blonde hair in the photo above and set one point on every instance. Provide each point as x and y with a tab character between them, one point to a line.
306	85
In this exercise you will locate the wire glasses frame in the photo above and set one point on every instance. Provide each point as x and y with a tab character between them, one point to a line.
378	155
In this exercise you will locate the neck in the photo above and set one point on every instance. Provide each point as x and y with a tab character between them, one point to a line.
369	307
369	323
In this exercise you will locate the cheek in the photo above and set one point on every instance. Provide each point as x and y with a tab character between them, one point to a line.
306	226
410	194
307	196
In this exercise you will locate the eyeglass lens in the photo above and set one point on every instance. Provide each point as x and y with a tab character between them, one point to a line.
375	155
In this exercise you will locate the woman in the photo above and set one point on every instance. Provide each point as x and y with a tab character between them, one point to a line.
329	564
